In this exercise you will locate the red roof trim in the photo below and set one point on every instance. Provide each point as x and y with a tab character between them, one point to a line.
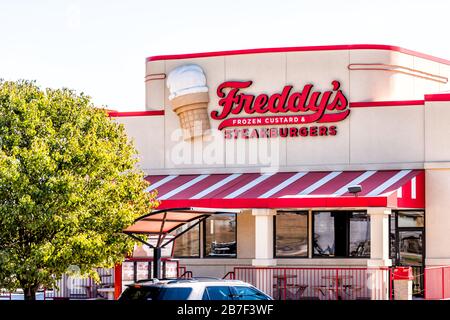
294	49
279	203
398	103
136	113
331	202
437	97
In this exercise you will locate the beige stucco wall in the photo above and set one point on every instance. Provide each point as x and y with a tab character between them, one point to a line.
437	182
437	218
377	137
387	135
245	235
437	131
147	134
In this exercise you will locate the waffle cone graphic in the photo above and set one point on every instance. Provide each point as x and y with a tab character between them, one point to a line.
189	98
192	110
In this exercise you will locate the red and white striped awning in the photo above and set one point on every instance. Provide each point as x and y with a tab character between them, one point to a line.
326	189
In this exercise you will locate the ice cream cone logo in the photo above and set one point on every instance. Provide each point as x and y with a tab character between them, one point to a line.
189	98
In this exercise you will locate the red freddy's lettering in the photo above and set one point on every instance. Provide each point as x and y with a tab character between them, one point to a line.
307	105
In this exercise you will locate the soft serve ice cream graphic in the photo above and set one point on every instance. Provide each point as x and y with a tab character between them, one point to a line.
189	98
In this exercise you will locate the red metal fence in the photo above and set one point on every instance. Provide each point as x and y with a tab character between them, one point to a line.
183	272
437	283
76	287
319	283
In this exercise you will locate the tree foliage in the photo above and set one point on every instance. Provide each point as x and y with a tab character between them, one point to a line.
68	186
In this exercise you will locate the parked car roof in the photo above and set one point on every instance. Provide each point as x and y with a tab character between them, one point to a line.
200	288
211	280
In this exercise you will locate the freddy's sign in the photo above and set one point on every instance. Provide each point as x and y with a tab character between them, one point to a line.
288	107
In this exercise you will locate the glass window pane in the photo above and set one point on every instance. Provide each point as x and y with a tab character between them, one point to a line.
411	248
291	235
175	293
188	244
359	245
392	237
323	240
410	219
142	293
341	234
220	236
247	293
219	293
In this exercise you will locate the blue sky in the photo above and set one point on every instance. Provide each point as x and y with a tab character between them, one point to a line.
99	47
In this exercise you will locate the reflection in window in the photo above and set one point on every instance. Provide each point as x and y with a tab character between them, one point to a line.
217	293
175	293
220	236
291	234
393	236
341	234
359	245
323	234
246	293
188	244
406	236
411	248
410	219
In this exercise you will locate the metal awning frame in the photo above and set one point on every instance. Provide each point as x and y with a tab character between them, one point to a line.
205	213
161	235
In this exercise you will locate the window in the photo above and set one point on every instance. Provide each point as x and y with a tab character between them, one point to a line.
407	237
220	236
410	248
155	293
188	244
393	236
410	219
323	239
175	293
140	293
291	234
341	234
217	293
359	245
247	293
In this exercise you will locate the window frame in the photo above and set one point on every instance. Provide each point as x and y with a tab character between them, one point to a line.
315	256
299	212
204	256
395	259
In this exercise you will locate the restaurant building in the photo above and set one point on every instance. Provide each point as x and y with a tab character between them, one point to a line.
315	157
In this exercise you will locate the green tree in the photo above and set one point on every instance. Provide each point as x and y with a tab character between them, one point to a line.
69	185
